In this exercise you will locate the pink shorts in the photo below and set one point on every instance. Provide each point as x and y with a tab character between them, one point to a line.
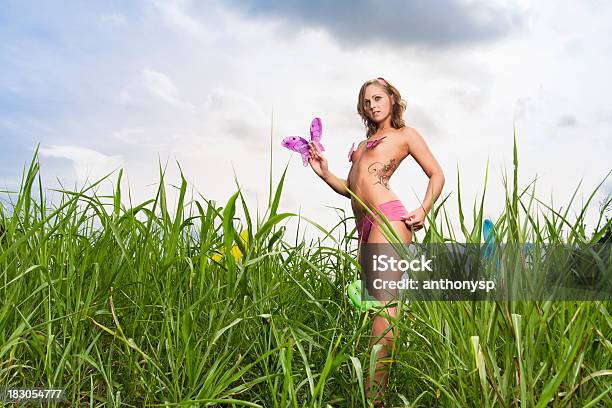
394	211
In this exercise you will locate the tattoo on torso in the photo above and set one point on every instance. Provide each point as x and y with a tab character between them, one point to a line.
382	172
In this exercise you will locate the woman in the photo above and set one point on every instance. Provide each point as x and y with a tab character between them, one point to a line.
388	142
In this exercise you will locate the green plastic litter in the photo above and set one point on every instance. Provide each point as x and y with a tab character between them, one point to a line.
353	290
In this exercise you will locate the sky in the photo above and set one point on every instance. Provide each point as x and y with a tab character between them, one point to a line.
206	84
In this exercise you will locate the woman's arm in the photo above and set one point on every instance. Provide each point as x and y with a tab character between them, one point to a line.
424	157
337	184
318	162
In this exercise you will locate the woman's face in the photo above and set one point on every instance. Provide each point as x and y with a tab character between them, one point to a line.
377	103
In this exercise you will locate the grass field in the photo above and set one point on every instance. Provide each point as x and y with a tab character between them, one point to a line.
141	307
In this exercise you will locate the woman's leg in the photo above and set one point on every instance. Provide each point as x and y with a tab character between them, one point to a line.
381	332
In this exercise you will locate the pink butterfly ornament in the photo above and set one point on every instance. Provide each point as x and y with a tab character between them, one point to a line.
300	145
373	143
350	155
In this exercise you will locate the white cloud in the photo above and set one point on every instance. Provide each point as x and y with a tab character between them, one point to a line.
175	14
161	85
150	87
131	135
88	164
112	19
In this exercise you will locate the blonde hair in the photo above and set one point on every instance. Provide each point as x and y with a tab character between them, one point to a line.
397	110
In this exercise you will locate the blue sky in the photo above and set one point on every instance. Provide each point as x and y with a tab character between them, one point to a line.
102	85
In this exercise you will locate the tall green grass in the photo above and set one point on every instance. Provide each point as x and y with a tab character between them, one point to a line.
144	306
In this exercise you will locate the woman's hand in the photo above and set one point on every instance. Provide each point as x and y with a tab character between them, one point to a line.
415	219
317	161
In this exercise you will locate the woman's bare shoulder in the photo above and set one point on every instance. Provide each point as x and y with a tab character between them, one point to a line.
409	131
411	135
406	134
412	139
